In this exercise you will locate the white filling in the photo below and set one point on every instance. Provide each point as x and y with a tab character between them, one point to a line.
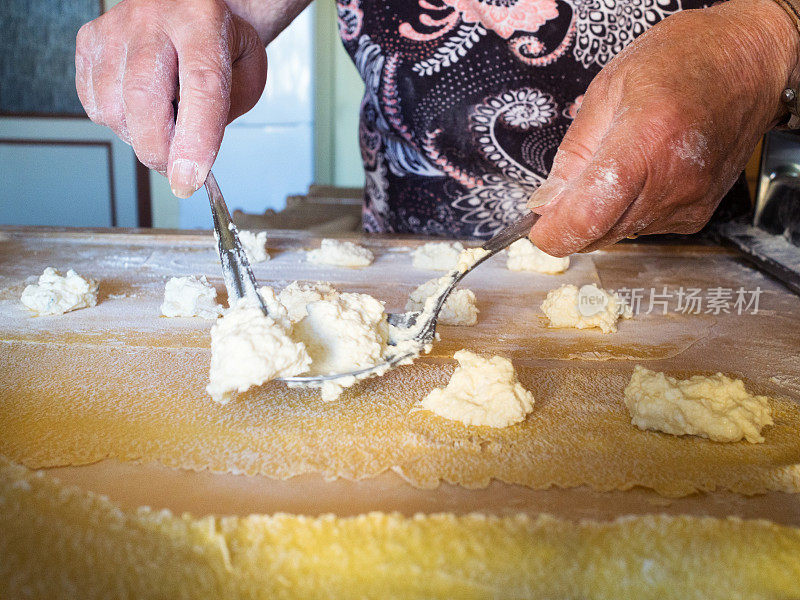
314	330
600	308
254	245
190	297
296	296
481	391
346	332
437	256
467	258
524	256
459	309
249	348
340	254
717	407
55	294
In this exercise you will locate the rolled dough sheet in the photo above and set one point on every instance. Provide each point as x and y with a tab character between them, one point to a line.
85	404
94	547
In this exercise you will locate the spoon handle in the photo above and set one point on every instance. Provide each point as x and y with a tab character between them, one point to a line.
236	271
512	233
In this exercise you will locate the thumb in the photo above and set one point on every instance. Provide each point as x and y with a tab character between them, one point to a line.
204	72
574	153
602	176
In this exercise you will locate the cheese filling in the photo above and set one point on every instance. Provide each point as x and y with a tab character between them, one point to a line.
481	391
459	309
312	330
437	256
718	408
524	256
254	245
190	297
585	308
55	294
340	254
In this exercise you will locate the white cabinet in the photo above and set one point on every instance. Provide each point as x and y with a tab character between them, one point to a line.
267	154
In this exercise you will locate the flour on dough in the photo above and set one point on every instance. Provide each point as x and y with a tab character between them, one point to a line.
459	309
718	408
340	254
481	391
249	348
190	297
255	245
437	256
524	256
599	308
55	294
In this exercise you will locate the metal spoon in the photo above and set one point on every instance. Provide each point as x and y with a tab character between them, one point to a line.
406	329
236	271
407	326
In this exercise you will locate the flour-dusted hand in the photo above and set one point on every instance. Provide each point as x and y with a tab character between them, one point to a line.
665	129
131	61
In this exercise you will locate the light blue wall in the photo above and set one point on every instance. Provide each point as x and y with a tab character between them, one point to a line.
65	172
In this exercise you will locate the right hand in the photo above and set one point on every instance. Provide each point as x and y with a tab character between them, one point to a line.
131	62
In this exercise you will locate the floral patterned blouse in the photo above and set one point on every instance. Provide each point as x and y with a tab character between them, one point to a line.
466	101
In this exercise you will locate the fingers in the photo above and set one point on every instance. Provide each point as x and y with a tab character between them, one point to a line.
130	63
590	203
204	75
99	68
148	88
86	53
577	148
249	69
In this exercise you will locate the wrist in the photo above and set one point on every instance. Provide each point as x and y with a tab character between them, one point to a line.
777	30
267	18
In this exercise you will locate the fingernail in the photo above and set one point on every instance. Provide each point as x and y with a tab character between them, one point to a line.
547	193
183	178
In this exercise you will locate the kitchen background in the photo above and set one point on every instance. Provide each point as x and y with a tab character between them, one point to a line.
58	168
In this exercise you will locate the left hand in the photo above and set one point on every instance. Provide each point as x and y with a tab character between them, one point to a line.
667	126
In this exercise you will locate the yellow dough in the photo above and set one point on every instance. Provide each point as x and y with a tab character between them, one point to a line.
59	542
280	432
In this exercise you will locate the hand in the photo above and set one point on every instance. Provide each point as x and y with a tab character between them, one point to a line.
665	129
131	61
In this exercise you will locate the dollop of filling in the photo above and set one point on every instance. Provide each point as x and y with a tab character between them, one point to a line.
460	308
524	256
55	294
254	245
589	307
190	297
312	330
717	407
482	391
340	254
437	256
